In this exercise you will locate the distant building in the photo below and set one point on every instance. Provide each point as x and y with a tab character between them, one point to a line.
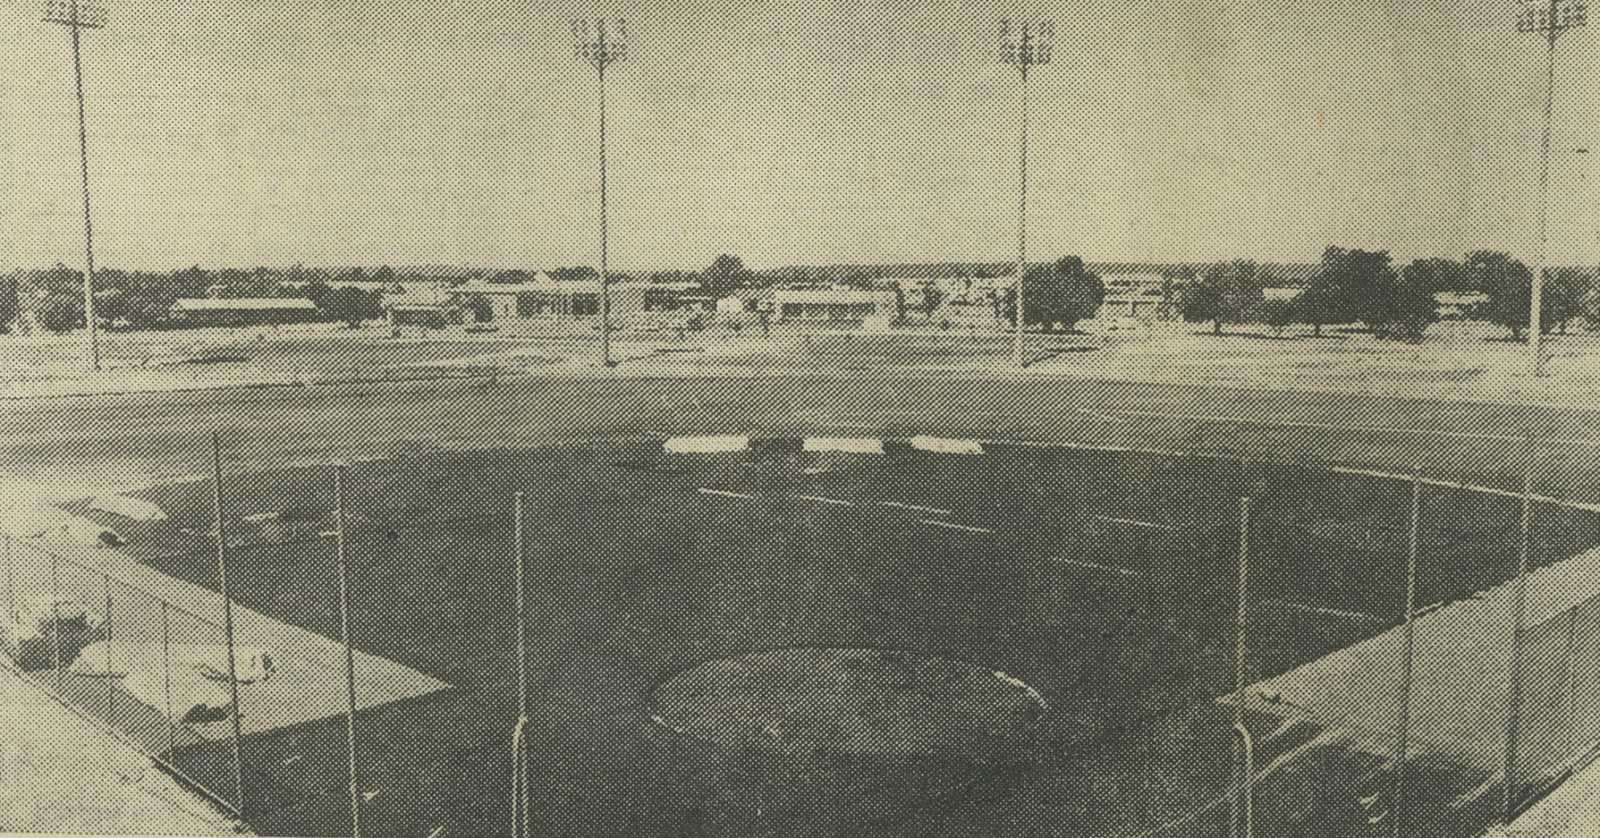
543	298
839	306
248	311
1131	294
420	303
1455	305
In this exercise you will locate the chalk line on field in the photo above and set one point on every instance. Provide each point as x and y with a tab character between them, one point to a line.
832	501
928	509
962	527
1108	568
1132	523
721	493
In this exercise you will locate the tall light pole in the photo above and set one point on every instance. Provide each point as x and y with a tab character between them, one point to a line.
76	15
1548	18
599	47
1027	44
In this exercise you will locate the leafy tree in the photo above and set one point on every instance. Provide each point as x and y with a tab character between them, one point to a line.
142	299
515	276
1509	286
579	274
482	311
1199	302
351	305
8	302
1565	297
1059	292
1226	293
318	292
1403	304
726	275
1277	314
193	282
1320	304
1352	285
1070	293
59	311
931	298
1438	276
53	296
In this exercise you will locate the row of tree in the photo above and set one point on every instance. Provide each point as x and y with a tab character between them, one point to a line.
53	297
1347	286
1359	286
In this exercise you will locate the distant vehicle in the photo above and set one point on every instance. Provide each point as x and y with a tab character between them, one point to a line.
45	627
1107	325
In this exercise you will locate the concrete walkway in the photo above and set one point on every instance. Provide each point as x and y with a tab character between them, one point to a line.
61	774
1571	811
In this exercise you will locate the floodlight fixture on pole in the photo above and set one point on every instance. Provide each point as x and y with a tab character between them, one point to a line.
1024	44
1548	18
76	15
599	44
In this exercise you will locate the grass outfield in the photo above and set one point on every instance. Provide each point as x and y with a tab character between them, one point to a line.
1104	580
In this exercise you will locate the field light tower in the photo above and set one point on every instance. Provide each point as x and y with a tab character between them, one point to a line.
1548	18
76	15
599	45
1023	45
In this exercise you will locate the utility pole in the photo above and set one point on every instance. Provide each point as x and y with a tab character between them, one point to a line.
1027	44
1547	18
76	15
599	47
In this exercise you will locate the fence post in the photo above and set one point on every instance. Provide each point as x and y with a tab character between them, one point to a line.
166	674
349	654
1407	656
11	589
1518	641
520	821
1568	686
1247	789
111	694
227	620
1243	794
55	615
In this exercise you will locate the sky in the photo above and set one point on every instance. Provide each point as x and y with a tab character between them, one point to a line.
346	132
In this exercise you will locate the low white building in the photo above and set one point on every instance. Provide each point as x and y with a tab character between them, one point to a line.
837	306
246	311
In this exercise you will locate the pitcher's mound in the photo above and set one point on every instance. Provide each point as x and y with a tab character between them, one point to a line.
852	703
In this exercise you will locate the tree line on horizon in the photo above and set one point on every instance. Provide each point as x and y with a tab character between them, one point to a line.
1346	286
1398	303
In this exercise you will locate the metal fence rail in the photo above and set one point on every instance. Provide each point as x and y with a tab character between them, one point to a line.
124	659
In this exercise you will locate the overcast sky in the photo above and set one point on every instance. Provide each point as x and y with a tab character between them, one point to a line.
334	132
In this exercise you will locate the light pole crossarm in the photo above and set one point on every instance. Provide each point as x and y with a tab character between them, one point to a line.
80	14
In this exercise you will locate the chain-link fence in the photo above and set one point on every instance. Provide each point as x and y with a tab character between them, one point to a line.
1227	645
149	672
